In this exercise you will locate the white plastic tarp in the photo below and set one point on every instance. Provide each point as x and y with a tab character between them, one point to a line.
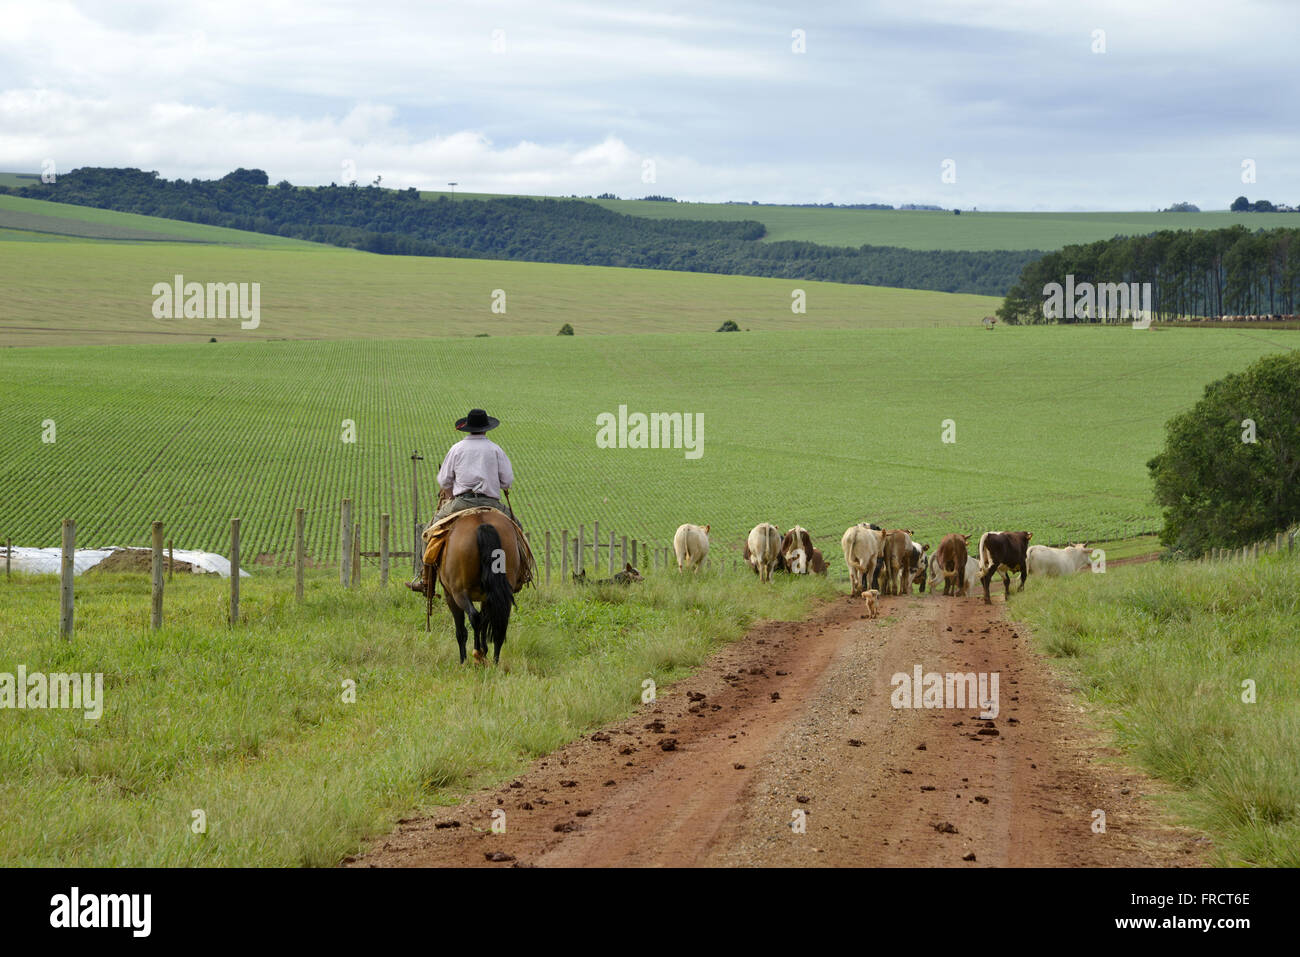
45	561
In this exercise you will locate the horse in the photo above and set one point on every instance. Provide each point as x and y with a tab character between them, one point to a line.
480	563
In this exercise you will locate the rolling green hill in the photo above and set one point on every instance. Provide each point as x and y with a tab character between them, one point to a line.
919	229
38	219
322	292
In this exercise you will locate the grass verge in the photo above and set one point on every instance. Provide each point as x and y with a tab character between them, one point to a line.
1169	652
249	725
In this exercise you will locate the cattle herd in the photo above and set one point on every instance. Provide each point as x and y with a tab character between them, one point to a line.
888	562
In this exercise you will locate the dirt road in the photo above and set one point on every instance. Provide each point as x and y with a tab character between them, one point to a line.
797	717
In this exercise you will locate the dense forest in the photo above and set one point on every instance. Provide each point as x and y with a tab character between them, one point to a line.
400	222
1214	272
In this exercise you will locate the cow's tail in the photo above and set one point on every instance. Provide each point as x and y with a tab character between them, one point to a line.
986	560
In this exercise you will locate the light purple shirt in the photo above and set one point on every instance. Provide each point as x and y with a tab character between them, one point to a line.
476	464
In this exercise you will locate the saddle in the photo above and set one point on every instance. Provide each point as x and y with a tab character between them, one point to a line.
435	540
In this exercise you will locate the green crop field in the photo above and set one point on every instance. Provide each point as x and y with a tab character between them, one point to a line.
821	427
100	292
928	229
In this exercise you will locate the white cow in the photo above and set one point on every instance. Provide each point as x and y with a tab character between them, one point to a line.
691	545
863	547
1044	560
763	549
972	573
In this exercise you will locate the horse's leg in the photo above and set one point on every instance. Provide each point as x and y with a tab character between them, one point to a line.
458	616
466	606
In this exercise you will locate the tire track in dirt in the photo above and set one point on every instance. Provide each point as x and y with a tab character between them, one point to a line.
796	716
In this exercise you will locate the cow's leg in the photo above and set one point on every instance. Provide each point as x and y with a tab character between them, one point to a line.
1024	571
985	579
1006	583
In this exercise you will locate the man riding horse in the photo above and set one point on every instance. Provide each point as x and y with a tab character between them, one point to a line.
474	547
473	475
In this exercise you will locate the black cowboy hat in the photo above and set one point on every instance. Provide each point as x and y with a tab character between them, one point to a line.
477	421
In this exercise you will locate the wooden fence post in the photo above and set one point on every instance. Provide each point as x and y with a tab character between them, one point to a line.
356	558
611	554
9	550
577	554
155	619
564	556
171	560
234	571
66	570
634	553
383	549
299	553
345	542
548	556
595	548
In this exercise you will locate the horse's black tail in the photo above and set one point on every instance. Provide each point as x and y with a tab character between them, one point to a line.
495	608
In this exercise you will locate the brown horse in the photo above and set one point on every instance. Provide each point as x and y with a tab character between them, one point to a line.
480	563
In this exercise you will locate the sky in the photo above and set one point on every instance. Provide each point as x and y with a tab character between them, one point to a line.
992	104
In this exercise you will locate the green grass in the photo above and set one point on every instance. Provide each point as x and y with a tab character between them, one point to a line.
249	725
1054	426
1164	650
101	293
919	229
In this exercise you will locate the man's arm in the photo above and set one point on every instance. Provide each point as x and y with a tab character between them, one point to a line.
447	473
505	473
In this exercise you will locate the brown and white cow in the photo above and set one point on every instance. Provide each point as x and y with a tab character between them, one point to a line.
1047	561
862	546
1003	552
763	549
952	563
817	562
691	546
796	551
898	556
972	573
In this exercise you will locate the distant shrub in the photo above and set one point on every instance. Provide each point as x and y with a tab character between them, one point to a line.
565	330
729	326
1229	474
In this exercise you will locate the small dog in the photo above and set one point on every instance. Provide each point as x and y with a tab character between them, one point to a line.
626	577
873	609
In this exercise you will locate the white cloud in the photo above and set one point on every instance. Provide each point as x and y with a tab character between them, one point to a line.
584	91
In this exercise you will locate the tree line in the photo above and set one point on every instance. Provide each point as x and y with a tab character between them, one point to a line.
401	222
1192	273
